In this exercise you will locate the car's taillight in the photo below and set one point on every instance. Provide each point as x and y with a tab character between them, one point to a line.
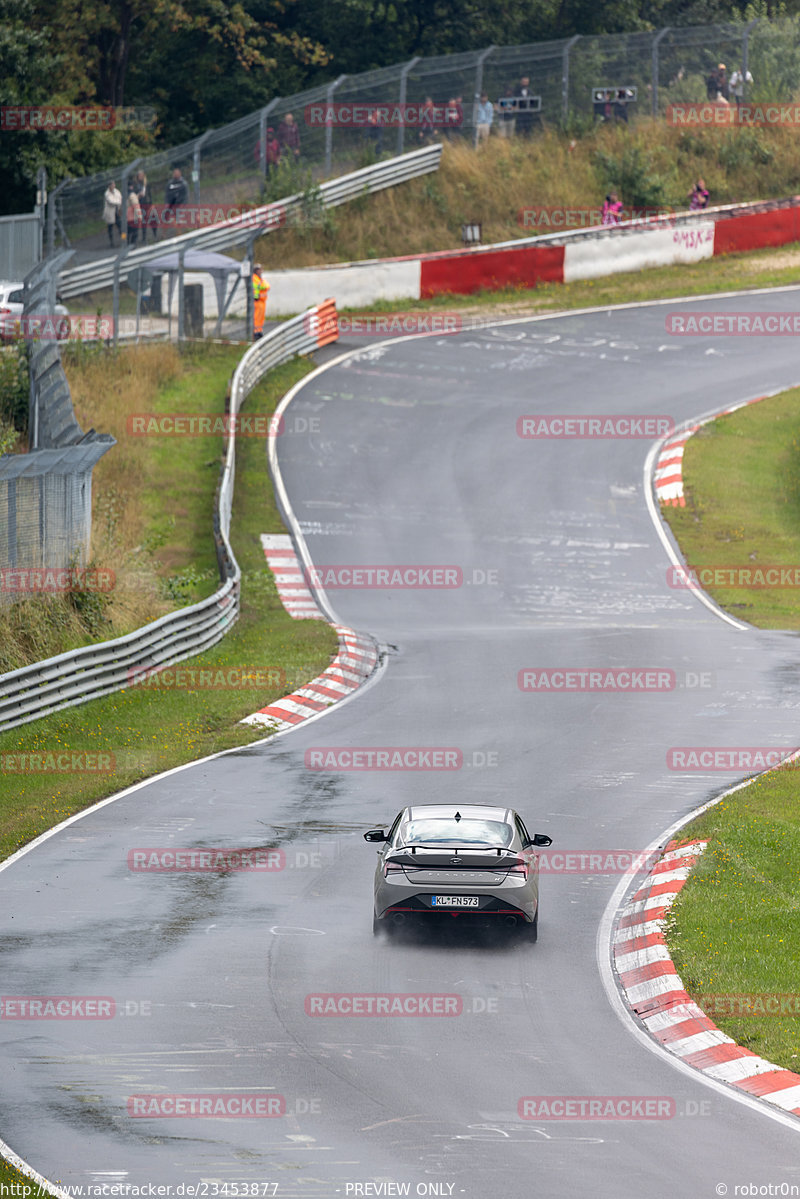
4	311
520	867
391	868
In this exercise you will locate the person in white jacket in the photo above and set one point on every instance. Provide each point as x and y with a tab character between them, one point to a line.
112	206
738	80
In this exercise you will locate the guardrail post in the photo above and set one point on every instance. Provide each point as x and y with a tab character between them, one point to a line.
565	74
262	137
484	54
115	302
745	54
251	255
401	132
181	314
328	126
656	41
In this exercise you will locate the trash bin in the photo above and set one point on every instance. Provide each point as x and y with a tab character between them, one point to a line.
154	299
193	309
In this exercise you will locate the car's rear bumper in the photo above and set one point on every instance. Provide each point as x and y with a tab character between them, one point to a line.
492	906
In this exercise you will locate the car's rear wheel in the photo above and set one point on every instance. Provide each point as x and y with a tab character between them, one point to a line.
531	931
377	926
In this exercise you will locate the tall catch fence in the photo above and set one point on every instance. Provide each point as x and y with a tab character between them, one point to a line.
46	494
96	670
232	165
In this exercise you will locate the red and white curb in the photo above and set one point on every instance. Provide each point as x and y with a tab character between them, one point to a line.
668	474
289	578
656	994
354	663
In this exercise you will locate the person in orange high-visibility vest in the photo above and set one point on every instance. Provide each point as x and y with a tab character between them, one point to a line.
260	289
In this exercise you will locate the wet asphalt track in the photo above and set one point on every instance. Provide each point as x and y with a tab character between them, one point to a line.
414	458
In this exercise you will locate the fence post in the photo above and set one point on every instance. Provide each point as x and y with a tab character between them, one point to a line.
328	126
41	208
115	301
656	40
745	53
198	145
565	74
181	313
262	137
484	54
251	259
51	215
401	132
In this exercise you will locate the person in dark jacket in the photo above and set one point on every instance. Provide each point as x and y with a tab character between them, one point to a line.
142	189
177	191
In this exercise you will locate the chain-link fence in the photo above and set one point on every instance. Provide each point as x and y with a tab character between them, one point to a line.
20	245
46	494
278	150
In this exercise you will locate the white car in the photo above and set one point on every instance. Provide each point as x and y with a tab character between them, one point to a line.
11	308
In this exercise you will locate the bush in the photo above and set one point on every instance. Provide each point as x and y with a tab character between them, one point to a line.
14	394
634	177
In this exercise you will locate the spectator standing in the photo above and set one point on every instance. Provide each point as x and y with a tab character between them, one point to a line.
112	205
612	210
712	84
260	289
453	117
176	194
484	115
524	114
289	136
737	85
272	150
427	127
142	189
723	87
508	113
698	196
133	215
374	131
621	105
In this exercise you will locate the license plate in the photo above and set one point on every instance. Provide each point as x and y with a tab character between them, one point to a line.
454	901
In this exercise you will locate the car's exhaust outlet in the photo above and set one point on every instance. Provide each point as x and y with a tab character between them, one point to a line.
398	918
510	921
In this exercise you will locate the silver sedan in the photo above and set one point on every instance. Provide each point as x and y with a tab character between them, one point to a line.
457	860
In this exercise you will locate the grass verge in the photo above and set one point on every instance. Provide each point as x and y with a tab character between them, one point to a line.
741	477
146	730
143	730
650	165
734	930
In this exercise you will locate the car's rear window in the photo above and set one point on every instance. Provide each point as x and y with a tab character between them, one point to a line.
428	831
16	297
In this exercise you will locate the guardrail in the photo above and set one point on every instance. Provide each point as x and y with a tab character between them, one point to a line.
97	670
720	212
254	223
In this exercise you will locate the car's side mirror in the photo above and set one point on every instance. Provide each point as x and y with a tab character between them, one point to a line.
375	834
539	840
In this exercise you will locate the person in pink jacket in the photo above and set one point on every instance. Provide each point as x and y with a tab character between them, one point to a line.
612	209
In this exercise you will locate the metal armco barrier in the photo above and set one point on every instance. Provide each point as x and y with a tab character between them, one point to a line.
90	276
96	670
